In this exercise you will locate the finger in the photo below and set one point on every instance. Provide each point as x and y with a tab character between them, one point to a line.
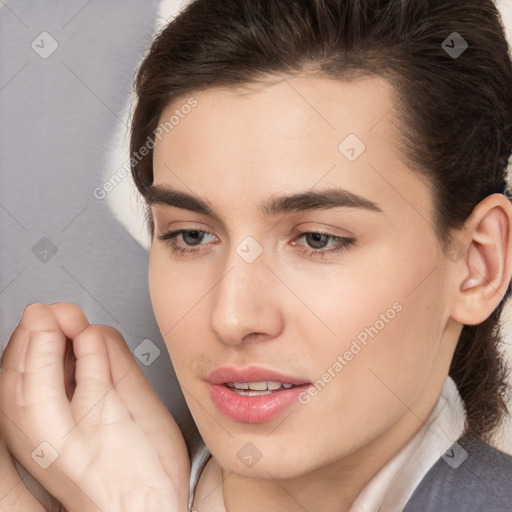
42	391
44	368
34	400
71	318
11	380
145	407
14	355
132	385
72	321
94	386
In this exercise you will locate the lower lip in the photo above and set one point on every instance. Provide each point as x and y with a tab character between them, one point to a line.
253	409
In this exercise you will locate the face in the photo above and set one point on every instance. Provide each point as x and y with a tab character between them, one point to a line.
304	268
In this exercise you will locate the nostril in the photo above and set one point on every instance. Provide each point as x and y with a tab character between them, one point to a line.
255	336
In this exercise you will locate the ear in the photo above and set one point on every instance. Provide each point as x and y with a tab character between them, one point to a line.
486	266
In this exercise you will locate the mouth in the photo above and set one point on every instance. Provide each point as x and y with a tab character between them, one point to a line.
253	395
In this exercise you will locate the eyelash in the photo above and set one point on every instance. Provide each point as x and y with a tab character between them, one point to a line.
343	243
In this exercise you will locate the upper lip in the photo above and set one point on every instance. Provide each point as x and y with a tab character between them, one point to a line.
251	374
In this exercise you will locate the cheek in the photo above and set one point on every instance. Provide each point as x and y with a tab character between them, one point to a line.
160	288
173	293
384	313
387	337
340	301
179	306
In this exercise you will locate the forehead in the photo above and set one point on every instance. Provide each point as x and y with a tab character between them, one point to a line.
292	107
293	134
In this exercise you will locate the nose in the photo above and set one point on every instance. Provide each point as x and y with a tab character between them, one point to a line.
246	303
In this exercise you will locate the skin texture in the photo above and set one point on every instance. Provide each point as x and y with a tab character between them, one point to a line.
295	313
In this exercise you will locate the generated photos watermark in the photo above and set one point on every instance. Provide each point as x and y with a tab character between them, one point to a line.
122	172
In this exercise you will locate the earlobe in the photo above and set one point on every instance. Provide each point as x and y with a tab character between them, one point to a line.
487	263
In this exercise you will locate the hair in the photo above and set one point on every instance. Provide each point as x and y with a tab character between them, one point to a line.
455	111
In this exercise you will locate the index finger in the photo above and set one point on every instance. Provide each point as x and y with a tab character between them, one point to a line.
35	317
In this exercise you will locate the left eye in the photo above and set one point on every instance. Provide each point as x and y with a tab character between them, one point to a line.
319	244
193	237
317	240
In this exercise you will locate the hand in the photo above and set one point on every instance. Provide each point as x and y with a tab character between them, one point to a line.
115	445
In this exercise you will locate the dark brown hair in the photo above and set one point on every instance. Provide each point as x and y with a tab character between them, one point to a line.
456	110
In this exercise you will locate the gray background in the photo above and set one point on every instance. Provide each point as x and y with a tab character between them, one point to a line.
58	117
62	118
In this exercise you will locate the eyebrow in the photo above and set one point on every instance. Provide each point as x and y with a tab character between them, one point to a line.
302	201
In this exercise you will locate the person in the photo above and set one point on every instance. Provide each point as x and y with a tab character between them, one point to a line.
326	191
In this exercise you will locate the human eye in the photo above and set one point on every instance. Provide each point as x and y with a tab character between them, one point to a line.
191	240
322	244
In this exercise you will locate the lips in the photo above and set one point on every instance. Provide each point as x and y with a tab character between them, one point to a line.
253	395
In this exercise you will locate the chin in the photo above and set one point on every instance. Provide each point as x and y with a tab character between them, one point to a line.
265	460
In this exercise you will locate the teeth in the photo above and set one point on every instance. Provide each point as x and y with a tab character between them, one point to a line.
270	385
249	392
258	386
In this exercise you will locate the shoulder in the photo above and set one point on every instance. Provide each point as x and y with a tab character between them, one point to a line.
471	476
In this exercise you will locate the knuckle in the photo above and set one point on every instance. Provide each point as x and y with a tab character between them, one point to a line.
35	316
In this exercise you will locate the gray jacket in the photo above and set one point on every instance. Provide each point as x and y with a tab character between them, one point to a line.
481	483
